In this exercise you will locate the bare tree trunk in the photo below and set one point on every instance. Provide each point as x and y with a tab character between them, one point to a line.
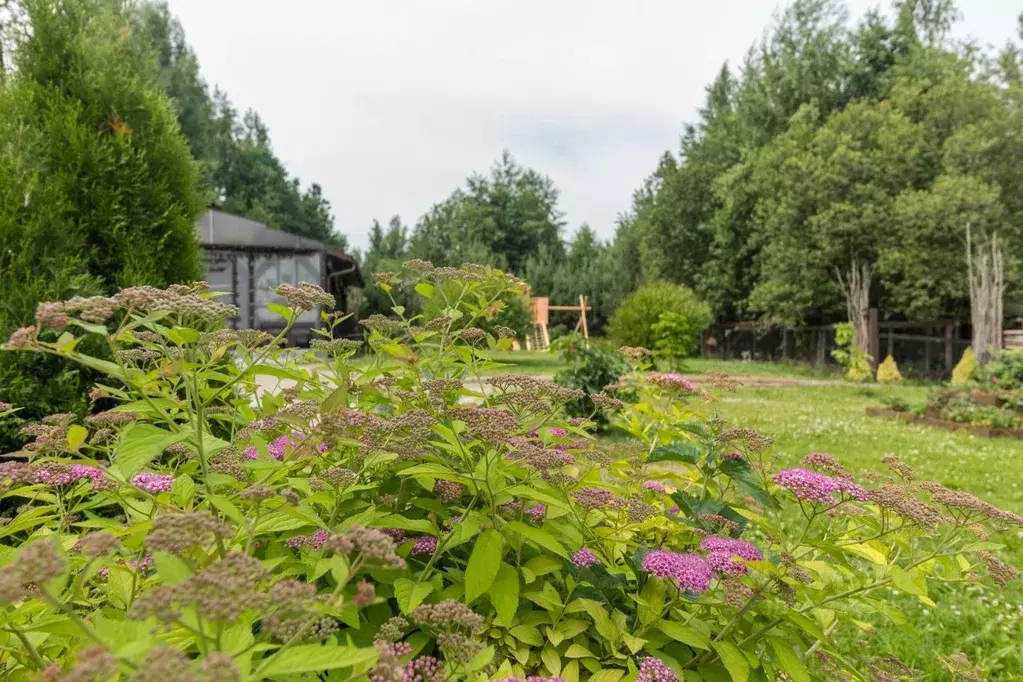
855	285
986	272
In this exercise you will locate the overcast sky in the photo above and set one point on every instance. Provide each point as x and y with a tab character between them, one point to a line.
390	104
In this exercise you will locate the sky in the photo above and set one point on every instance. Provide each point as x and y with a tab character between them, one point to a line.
390	104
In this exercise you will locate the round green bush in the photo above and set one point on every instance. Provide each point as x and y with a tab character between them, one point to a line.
632	323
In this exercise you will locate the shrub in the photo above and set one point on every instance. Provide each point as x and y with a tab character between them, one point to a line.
852	358
676	338
98	188
1004	373
371	525
895	402
591	369
632	323
966	369
888	372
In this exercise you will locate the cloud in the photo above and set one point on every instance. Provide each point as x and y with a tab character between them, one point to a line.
390	104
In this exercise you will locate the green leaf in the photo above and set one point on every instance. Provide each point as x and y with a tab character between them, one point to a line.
867	552
533	494
313	658
578	651
425	289
171	568
911	582
337	398
746	478
789	660
183	489
484	563
679	451
504	592
140	445
607	675
409	594
278	309
685	634
76	435
528	634
734	661
400	522
539	537
551	660
227	508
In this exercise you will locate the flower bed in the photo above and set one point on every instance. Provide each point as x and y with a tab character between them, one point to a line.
983	431
367	525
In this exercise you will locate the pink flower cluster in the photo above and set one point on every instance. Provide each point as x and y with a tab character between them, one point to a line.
809	486
654	670
691	572
536	513
585	558
314	541
655	486
665	380
63	474
590	497
721	553
425	545
281	445
153	484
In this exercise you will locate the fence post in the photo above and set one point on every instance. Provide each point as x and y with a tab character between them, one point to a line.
949	329
873	335
786	343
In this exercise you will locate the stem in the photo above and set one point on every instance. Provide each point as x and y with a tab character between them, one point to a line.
36	658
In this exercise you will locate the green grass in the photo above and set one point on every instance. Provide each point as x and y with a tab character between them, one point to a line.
766	369
985	623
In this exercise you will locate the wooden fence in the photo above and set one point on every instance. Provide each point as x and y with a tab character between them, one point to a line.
929	348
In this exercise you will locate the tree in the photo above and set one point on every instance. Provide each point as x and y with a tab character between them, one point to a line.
99	188
499	219
827	206
240	168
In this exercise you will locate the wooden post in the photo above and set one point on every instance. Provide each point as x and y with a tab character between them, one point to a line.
873	335
949	330
582	312
927	351
786	343
891	342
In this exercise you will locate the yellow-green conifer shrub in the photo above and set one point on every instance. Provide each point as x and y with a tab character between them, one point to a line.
967	369
888	372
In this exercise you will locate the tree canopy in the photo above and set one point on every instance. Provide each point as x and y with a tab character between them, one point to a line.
872	145
240	168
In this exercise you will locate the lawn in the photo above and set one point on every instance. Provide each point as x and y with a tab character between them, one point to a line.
987	624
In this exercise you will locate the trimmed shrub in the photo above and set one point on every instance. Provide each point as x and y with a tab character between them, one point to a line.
966	369
633	322
852	358
888	372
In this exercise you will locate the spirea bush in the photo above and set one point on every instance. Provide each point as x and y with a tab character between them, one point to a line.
415	519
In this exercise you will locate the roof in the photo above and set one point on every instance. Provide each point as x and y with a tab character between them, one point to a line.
226	230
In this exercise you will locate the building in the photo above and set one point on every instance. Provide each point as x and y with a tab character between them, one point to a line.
248	260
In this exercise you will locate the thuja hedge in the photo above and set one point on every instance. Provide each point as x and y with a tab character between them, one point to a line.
391	523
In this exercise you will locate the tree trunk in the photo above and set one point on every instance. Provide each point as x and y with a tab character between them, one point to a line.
855	285
987	295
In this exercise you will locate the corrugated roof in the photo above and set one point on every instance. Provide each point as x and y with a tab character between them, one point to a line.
217	228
